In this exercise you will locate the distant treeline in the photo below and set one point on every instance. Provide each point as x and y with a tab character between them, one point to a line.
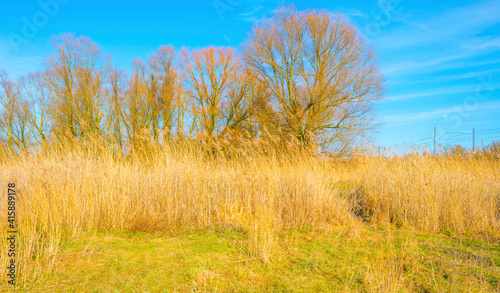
301	75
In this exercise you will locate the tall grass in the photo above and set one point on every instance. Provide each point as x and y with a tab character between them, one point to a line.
459	193
84	190
258	189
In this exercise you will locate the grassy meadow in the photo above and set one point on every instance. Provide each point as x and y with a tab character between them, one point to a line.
252	219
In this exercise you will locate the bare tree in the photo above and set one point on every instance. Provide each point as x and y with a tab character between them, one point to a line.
166	91
77	77
153	98
8	97
137	116
322	76
13	121
116	99
36	95
224	96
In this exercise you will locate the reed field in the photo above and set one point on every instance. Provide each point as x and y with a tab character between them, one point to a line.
393	222
248	165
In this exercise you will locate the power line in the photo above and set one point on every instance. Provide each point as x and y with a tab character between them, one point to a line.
447	139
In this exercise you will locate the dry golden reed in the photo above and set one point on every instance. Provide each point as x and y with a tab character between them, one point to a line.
76	192
459	193
88	189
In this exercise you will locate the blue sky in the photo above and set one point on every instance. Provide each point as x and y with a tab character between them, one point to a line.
440	59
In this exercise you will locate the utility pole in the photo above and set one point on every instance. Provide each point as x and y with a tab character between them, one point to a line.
434	140
473	140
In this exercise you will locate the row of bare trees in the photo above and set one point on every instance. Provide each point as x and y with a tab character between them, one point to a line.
304	74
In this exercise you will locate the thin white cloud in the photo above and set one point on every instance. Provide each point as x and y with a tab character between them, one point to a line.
436	92
413	117
4	49
455	31
413	23
459	22
484	107
17	65
409	66
353	13
252	12
254	15
461	60
452	77
482	44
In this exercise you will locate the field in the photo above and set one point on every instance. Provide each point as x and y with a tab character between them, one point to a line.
177	220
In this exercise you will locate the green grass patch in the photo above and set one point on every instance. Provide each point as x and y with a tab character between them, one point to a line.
371	260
